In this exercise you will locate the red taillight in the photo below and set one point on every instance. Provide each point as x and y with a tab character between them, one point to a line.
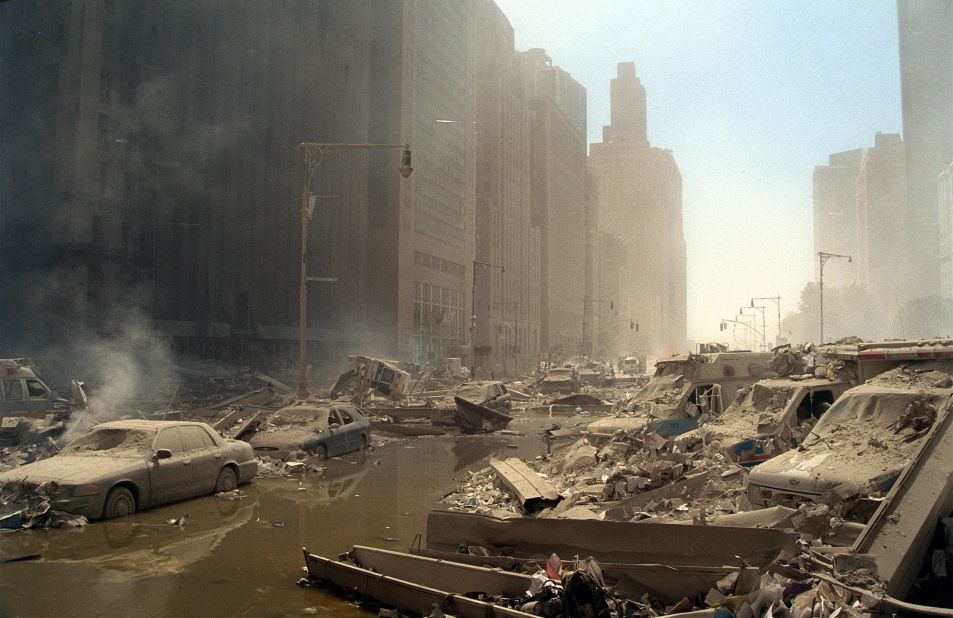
766	494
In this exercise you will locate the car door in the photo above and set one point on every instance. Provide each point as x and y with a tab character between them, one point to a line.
206	459
13	395
171	477
349	428
38	397
337	440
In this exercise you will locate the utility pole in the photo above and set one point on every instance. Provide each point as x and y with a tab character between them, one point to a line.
314	154
473	316
777	301
823	257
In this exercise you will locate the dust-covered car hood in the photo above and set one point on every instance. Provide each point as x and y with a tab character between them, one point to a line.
283	438
72	469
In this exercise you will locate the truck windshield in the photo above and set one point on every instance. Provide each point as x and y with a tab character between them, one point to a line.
869	411
661	385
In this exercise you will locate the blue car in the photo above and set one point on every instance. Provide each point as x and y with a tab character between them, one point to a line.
320	430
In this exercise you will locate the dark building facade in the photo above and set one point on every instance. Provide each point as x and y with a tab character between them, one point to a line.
151	167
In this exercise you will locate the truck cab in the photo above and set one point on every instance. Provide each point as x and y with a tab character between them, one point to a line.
861	444
24	394
767	418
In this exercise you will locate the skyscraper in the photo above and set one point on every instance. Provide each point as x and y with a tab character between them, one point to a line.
925	30
557	120
882	209
638	191
506	286
835	214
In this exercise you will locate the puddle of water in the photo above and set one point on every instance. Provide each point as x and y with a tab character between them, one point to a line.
243	557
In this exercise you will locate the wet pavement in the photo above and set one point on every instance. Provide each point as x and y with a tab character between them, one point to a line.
243	557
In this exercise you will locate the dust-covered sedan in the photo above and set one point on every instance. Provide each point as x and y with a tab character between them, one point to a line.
319	430
117	468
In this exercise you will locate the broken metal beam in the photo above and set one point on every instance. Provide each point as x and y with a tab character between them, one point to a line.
533	491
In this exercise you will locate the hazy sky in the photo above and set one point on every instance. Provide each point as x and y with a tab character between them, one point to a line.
750	96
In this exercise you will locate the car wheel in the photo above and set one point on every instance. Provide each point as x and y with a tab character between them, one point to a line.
320	452
119	503
226	481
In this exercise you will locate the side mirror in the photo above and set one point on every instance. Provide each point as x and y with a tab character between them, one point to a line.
335	425
163	453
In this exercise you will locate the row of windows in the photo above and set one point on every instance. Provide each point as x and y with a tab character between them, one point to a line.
431	261
438	312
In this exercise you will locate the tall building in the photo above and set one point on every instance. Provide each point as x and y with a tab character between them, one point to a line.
945	205
421	232
149	164
506	285
925	29
883	244
557	121
835	214
638	192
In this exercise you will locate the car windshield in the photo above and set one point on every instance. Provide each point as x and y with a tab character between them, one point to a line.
112	442
560	372
316	418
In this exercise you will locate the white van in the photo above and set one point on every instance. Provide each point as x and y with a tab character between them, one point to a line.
23	394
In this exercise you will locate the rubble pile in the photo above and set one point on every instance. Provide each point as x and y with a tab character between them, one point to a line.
792	360
628	479
25	505
16	456
644	476
269	467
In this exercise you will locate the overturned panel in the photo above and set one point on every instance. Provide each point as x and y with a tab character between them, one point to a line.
899	534
608	541
400	593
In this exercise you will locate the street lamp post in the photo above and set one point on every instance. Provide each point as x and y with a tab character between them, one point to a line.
777	301
314	154
764	328
724	325
823	257
473	318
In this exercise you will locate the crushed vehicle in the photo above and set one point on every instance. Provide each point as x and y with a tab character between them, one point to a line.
318	429
489	394
860	445
120	467
683	390
381	376
767	418
774	415
474	418
560	380
592	373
